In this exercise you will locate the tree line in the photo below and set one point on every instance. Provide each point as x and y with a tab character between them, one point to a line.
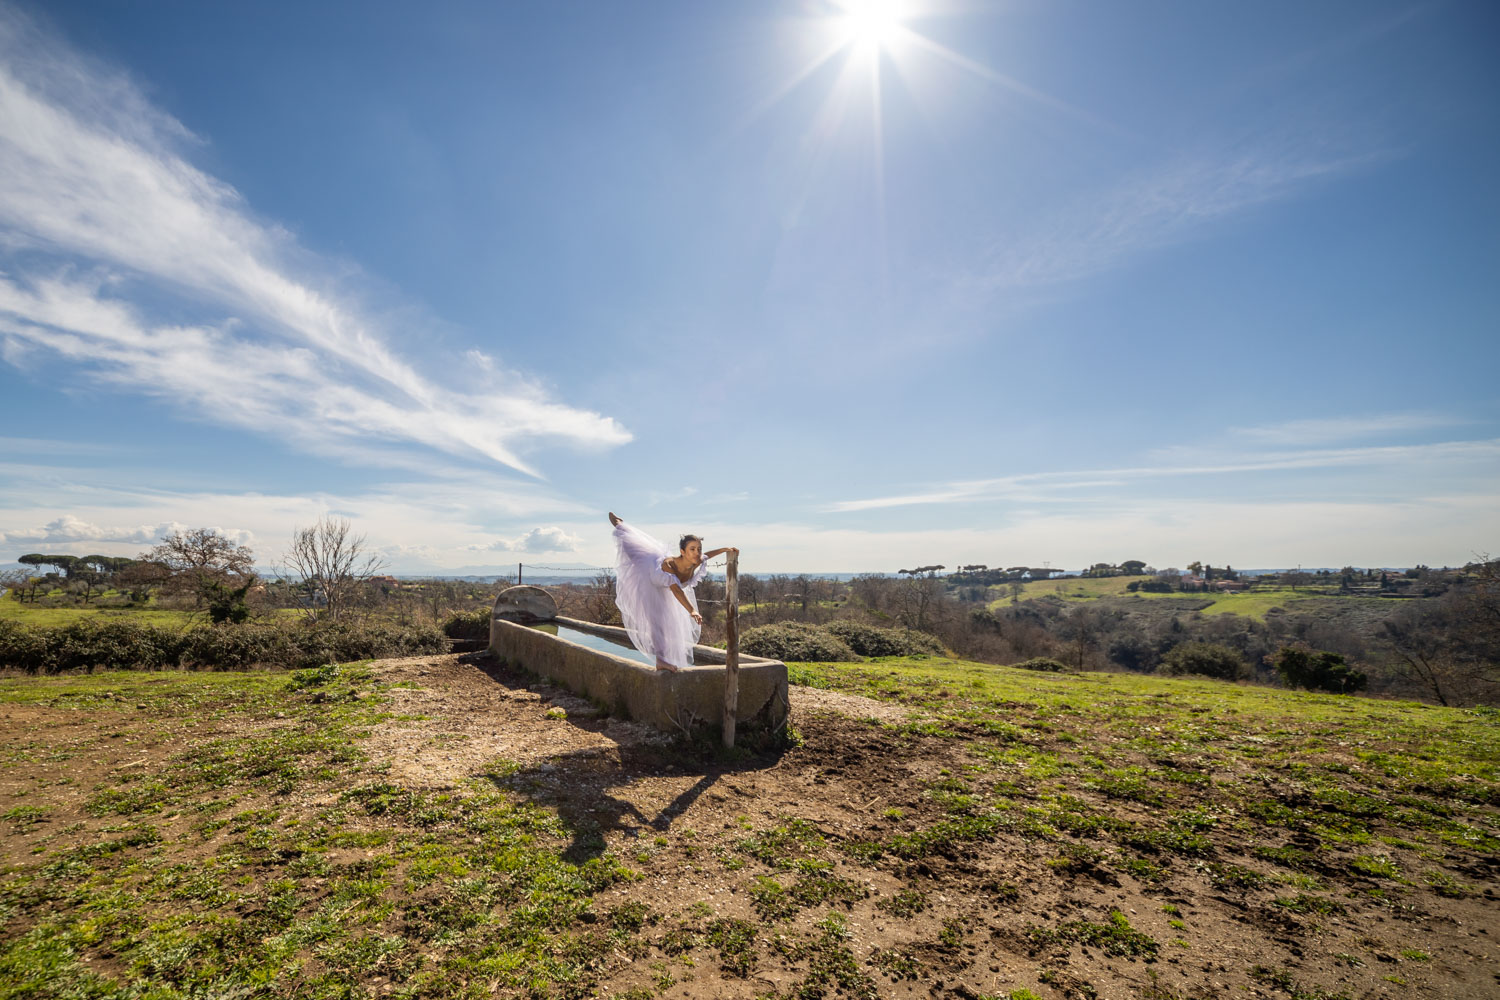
327	564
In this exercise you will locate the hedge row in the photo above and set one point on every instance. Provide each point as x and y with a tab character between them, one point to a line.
871	640
835	642
126	645
470	625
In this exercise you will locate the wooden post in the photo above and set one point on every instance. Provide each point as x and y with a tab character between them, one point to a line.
519	581
731	645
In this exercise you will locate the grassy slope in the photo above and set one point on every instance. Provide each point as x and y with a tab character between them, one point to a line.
241	837
39	614
1253	604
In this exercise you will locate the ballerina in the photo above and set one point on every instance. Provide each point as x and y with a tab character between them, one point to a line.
654	591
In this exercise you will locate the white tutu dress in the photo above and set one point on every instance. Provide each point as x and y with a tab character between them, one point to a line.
658	624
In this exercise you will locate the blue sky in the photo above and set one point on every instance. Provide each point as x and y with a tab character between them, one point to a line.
935	282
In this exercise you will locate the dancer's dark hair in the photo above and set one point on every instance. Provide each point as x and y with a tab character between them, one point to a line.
688	538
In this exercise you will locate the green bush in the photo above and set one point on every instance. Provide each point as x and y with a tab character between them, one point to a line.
1302	666
472	625
226	605
91	645
796	641
344	641
236	647
1210	659
872	640
88	646
1043	663
20	647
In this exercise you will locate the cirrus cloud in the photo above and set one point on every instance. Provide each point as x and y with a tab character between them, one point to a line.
109	236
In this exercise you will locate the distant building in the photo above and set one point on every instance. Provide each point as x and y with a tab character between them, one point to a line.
1189	582
388	582
1230	586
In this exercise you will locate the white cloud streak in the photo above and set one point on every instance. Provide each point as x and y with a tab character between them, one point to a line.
1482	455
91	173
1324	431
1154	209
1434	529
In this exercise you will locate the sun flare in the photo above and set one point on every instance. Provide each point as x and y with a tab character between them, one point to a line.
871	24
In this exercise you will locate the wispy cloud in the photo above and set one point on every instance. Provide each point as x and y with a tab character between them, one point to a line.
536	540
50	447
1335	429
655	497
1476	458
434	522
1156	208
104	218
1425	528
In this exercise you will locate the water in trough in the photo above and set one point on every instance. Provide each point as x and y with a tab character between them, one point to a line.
596	642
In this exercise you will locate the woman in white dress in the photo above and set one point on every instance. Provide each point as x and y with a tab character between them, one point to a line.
654	591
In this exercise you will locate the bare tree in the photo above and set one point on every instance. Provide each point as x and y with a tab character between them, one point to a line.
1450	645
921	598
193	561
599	599
750	589
15	581
328	556
802	586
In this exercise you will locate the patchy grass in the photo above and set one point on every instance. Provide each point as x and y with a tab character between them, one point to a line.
1113	936
292	896
177	835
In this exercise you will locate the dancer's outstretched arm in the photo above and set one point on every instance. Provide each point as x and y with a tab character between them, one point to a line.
682	599
719	552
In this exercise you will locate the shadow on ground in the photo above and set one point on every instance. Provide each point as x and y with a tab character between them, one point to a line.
587	787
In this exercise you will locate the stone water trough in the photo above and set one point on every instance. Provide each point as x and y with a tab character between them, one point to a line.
599	663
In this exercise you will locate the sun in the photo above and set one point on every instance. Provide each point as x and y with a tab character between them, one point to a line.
871	24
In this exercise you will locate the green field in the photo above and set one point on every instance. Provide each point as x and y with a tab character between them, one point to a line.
1251	604
1018	834
43	614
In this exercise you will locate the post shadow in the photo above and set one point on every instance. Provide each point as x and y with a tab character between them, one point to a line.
588	816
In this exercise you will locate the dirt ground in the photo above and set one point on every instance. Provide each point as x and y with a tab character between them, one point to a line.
968	929
628	782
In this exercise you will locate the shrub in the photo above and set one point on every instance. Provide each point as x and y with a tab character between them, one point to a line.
1210	659
127	645
226	605
1302	666
236	647
21	648
87	646
1043	663
468	624
872	640
340	642
796	641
